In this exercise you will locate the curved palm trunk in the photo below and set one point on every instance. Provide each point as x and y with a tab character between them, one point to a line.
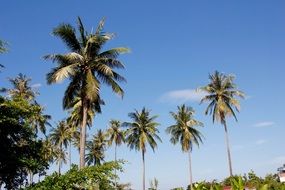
228	149
143	170
83	135
190	170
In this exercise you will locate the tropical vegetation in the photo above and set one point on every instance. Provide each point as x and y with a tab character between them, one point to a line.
31	142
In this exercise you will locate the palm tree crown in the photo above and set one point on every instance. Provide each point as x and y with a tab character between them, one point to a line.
184	130
87	67
116	135
21	88
96	148
142	130
221	93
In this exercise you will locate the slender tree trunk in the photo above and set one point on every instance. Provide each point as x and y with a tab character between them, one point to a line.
228	149
143	170
190	170
83	135
70	155
59	166
116	162
31	177
59	160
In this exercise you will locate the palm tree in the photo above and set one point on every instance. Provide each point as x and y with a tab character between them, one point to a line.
39	120
222	93
87	67
142	131
184	131
116	136
21	88
60	136
96	148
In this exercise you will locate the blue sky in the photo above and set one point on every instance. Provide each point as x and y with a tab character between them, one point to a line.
174	46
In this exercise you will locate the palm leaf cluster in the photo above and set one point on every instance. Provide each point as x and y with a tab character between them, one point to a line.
221	93
96	148
184	131
142	130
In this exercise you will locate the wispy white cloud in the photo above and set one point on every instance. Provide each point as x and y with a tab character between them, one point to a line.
264	124
185	95
37	85
260	142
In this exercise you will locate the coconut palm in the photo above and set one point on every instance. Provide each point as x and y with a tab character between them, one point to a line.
221	95
60	137
184	131
96	148
142	131
87	67
116	136
39	120
21	88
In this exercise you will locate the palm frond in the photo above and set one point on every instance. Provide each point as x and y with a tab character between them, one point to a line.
67	34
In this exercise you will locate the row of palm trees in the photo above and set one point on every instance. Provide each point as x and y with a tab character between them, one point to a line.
88	67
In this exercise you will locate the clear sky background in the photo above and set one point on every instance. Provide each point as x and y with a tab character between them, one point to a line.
175	45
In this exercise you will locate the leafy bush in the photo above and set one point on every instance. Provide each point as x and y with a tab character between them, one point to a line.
89	178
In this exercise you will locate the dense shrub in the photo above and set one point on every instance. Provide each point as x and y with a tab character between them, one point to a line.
92	177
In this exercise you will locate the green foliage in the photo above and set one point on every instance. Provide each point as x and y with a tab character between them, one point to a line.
178	188
248	181
184	130
206	186
3	46
20	150
92	177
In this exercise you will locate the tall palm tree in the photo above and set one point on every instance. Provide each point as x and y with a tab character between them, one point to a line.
87	67
96	148
184	131
60	136
222	93
142	131
116	136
